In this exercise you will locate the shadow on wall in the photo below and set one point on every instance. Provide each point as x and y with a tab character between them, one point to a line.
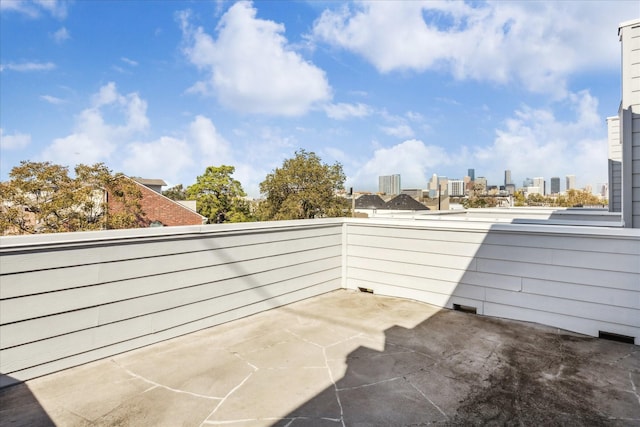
19	407
461	369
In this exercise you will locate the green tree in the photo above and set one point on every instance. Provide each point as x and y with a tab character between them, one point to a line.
303	188
122	207
41	197
219	197
177	192
519	199
581	198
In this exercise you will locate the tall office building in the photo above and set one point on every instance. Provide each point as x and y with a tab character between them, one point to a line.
471	173
389	184
528	182
571	182
455	187
541	184
507	177
555	185
481	184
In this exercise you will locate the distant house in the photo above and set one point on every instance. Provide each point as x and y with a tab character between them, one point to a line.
405	202
370	201
160	210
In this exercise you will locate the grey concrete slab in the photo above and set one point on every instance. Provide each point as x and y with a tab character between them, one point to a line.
346	358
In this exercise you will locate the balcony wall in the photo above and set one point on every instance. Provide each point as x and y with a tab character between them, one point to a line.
584	279
73	298
68	299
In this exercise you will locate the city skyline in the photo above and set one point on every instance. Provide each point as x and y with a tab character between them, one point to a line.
165	89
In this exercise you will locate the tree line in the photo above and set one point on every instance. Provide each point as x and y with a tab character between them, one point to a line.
42	197
571	198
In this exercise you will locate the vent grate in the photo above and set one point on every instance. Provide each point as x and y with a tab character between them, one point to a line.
366	290
465	308
616	337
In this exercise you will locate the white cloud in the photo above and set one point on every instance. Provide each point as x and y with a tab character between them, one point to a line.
535	143
94	140
400	131
15	141
342	111
128	61
214	149
413	116
495	41
164	158
52	99
34	8
250	66
61	35
336	153
413	159
28	66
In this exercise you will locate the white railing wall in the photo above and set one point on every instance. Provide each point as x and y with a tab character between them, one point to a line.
583	279
74	298
68	299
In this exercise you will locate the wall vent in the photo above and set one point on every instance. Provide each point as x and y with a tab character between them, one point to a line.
616	337
366	290
465	308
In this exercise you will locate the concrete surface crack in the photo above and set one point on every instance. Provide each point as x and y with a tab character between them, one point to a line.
158	385
428	400
251	365
410	350
552	376
370	384
302	338
335	386
227	396
249	420
634	389
345	340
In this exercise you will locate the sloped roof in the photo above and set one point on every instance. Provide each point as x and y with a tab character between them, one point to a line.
370	201
147	181
405	202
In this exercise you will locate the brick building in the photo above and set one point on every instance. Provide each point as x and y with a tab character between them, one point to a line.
160	210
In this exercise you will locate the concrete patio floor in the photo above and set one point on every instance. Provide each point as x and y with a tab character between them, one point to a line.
347	358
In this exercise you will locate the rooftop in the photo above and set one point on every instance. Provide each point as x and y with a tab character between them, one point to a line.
346	358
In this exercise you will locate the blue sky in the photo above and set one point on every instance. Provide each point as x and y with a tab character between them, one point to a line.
163	89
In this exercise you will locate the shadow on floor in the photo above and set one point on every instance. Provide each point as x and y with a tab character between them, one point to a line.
488	373
19	407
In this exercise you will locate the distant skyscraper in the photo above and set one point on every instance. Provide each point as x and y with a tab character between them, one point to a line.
455	187
389	184
507	177
541	184
555	185
528	182
571	182
481	182
472	174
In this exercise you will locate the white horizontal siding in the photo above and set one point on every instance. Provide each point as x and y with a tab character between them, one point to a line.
88	296
554	275
72	301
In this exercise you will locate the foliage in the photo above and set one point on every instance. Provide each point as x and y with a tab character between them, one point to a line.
572	198
177	192
219	197
479	202
41	197
575	197
303	188
519	199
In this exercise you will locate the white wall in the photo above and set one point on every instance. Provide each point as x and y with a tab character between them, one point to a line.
583	279
629	33
72	298
614	164
67	299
